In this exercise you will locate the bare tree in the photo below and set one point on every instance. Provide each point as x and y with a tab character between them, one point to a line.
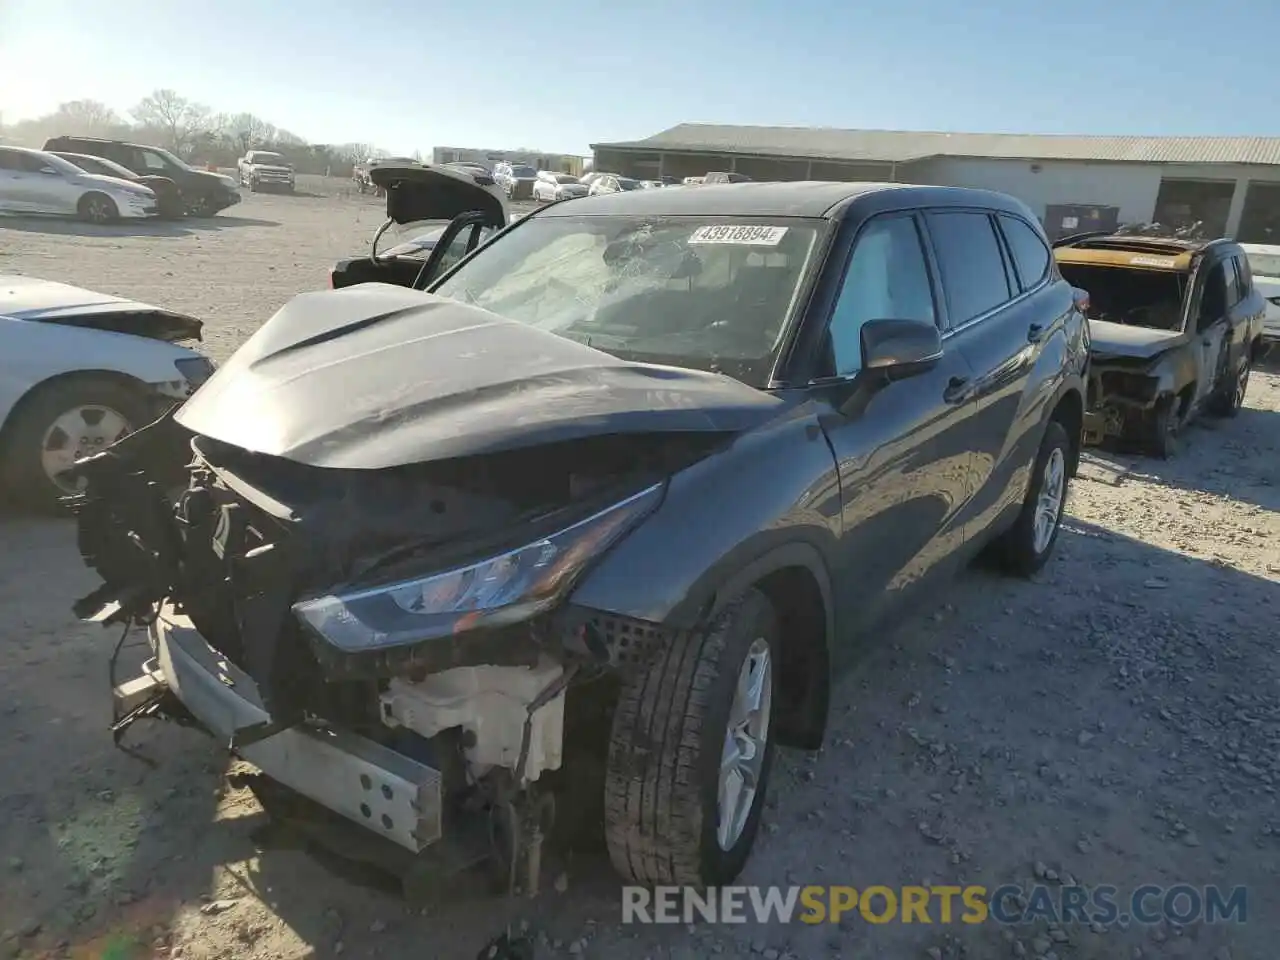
86	118
178	119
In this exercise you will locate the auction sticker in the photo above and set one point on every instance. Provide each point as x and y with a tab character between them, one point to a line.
744	234
1144	261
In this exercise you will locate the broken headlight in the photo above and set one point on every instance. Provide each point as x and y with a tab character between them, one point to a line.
499	590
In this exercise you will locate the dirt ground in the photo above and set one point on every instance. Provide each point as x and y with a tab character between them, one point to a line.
1114	722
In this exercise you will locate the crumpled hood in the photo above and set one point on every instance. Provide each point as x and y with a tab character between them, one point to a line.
46	301
1122	340
375	375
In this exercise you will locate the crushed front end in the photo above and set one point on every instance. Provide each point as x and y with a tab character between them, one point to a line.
1122	397
391	648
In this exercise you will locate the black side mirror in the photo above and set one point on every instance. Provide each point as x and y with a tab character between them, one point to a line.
900	348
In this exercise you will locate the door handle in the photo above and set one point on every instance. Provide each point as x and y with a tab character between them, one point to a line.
958	390
1035	333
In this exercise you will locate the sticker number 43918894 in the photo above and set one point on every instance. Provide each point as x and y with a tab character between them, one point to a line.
746	234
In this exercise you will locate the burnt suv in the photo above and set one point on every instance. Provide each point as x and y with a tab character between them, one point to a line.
201	193
679	448
1176	325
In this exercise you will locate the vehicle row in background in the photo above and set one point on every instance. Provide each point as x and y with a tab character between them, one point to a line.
265	169
34	182
199	193
360	173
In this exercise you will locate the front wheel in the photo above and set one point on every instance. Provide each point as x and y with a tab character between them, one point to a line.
1164	431
59	423
690	752
97	208
1229	400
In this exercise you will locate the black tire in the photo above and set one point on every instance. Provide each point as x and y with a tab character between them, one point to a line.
1018	550
1229	398
199	207
668	734
97	208
21	469
1164	433
253	186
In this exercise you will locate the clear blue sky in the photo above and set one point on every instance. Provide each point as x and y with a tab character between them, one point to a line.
409	75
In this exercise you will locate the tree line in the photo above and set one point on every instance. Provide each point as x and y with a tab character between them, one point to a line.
191	130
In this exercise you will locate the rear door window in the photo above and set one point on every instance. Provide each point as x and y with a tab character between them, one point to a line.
971	262
1031	257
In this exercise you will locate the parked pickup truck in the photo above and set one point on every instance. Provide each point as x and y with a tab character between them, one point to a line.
262	168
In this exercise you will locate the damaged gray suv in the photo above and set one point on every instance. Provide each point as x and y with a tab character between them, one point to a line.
692	443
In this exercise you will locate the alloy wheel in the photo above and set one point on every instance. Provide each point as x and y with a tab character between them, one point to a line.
1049	502
79	432
745	739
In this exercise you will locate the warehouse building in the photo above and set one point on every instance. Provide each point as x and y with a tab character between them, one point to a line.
1230	184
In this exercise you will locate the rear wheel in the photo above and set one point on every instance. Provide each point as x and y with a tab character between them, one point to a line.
59	423
690	752
97	208
1026	546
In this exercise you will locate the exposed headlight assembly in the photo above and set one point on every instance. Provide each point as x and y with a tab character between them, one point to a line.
499	590
195	370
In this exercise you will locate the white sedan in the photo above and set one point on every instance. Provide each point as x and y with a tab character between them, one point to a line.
557	186
36	182
78	371
1264	264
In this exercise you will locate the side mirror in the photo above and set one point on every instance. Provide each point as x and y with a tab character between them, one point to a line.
900	348
49	172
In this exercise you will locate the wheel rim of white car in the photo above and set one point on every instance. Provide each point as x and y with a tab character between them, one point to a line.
1049	503
745	738
99	211
80	432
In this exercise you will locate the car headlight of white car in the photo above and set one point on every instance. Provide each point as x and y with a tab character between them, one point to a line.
195	370
493	592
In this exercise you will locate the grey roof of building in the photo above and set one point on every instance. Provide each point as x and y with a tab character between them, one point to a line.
901	146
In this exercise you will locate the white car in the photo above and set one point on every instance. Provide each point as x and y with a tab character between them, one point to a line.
79	370
610	183
557	186
1264	264
36	182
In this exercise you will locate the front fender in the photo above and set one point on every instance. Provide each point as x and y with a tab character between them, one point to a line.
769	500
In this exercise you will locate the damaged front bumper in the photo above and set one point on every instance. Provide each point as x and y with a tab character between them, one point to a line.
1121	401
364	781
400	702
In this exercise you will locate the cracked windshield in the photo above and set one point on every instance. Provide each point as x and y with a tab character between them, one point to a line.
759	481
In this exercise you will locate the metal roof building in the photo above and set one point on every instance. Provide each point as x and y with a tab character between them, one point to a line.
1232	184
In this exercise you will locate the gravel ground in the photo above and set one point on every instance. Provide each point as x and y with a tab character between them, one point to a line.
1114	722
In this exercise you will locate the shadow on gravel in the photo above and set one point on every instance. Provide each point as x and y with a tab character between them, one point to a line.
1237	458
131	228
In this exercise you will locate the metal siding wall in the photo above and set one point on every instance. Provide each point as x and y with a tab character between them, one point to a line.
1131	187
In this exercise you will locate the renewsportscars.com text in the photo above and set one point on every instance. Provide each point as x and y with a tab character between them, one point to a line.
973	904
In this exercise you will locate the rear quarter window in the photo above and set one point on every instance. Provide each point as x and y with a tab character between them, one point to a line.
1031	258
